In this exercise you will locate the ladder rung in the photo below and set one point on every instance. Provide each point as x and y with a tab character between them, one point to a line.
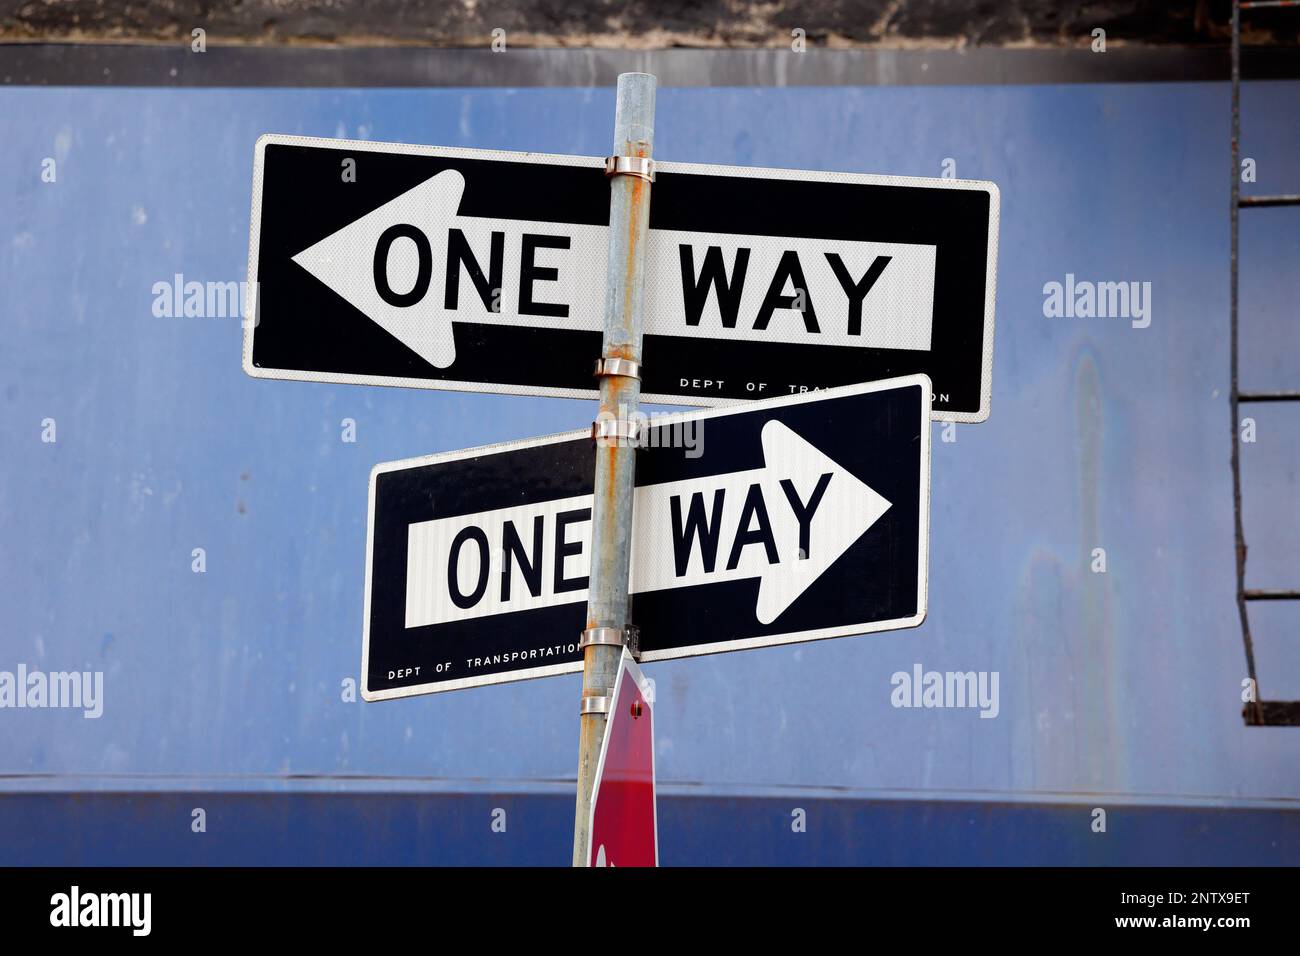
1268	396
1273	713
1280	200
1263	595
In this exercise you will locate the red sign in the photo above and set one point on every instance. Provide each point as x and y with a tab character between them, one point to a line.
624	827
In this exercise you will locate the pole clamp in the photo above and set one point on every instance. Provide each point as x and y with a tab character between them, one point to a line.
594	705
627	368
623	429
641	167
629	636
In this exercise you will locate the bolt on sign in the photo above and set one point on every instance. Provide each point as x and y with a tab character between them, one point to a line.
461	269
763	523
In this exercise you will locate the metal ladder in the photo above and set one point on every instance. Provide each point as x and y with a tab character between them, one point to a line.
1259	712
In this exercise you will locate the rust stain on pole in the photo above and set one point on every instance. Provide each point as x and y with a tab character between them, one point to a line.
615	462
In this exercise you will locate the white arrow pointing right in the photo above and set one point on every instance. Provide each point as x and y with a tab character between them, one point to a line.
784	523
785	553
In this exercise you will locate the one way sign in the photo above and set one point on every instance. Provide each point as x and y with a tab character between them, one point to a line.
457	269
785	520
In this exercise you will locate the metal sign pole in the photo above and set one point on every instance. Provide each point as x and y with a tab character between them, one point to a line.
631	171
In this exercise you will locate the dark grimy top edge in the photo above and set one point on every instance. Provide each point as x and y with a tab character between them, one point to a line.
42	64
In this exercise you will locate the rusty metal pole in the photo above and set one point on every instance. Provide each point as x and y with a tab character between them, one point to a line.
620	393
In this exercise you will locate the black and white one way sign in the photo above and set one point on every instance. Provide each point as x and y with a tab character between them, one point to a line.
767	523
463	269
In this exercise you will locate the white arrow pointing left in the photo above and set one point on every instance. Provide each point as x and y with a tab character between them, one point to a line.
397	264
346	262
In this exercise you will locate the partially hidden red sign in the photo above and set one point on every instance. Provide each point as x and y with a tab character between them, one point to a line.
624	827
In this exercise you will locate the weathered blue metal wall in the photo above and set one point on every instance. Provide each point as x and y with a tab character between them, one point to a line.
1102	435
441	828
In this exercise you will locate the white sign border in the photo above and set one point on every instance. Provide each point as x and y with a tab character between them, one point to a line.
695	650
553	159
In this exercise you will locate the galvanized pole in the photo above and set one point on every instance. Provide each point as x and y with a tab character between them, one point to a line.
620	393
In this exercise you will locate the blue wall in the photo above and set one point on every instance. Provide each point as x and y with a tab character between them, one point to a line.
440	829
1101	435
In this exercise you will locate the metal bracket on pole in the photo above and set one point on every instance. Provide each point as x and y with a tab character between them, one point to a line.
618	366
595	705
639	166
629	636
623	429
